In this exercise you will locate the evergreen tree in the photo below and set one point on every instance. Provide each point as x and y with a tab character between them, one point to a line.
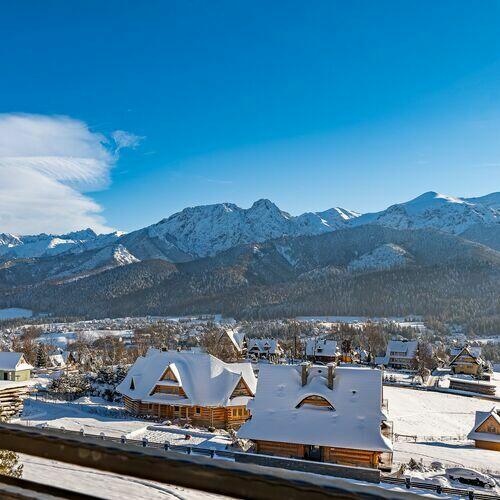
42	358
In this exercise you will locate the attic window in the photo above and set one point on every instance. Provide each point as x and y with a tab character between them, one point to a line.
315	400
169	375
132	385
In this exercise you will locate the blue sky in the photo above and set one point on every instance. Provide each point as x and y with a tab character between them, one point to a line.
358	104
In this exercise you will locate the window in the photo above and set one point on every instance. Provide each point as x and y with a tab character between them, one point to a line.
176	409
315	400
197	410
491	429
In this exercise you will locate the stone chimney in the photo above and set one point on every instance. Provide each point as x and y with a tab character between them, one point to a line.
331	375
305	370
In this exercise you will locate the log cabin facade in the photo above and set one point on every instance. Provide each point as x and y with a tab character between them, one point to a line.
486	430
329	414
194	387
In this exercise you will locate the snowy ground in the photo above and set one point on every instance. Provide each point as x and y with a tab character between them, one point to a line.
15	312
95	415
91	417
177	437
441	423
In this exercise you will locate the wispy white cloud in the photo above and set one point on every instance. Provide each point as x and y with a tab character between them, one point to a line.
47	163
125	139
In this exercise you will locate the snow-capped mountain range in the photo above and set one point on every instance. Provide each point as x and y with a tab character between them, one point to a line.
204	231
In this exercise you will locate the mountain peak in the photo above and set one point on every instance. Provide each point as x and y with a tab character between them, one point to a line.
264	203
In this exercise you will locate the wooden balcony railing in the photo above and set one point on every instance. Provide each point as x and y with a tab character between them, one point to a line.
194	472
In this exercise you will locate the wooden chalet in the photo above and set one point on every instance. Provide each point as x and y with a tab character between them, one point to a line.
322	350
269	349
467	361
323	413
233	342
191	386
486	430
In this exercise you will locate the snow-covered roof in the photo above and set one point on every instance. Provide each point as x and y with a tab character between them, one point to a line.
468	351
236	337
321	347
481	417
270	346
354	423
406	349
57	360
12	361
474	350
206	380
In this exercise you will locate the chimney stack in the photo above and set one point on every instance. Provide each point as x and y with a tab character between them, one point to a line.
305	370
331	375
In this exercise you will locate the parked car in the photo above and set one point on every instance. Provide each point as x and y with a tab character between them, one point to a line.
469	476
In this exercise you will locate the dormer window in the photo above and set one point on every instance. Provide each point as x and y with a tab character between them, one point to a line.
316	401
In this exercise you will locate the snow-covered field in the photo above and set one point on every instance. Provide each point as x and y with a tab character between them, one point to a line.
63	339
15	312
92	417
441	423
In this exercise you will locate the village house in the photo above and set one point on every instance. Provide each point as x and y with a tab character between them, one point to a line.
62	359
467	360
400	355
189	385
321	350
486	430
233	341
269	349
322	413
14	367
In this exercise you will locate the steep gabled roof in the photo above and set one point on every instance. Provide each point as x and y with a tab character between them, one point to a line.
206	380
236	337
481	417
474	350
466	350
11	361
356	398
270	346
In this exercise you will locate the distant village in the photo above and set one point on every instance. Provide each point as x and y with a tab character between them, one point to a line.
309	389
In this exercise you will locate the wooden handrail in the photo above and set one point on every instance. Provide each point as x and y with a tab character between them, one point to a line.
201	473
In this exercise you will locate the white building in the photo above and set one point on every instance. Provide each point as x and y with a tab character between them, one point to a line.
400	354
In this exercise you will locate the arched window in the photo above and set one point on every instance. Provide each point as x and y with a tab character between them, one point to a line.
317	401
